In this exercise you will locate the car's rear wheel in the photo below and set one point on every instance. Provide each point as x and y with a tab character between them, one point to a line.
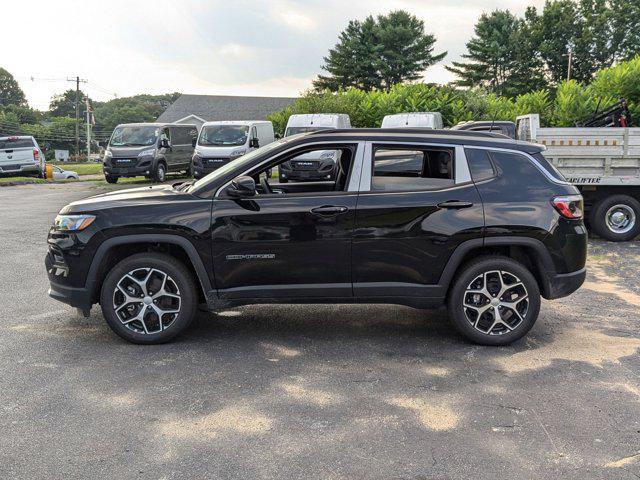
148	298
494	300
111	178
616	218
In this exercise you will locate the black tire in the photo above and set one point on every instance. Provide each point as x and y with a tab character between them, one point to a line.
178	276
462	317
628	206
111	178
284	180
160	173
189	171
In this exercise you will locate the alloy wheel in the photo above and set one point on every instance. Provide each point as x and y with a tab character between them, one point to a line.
496	302
147	300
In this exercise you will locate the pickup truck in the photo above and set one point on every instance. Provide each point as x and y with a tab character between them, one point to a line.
20	155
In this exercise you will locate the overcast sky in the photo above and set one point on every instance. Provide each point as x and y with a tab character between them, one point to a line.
271	48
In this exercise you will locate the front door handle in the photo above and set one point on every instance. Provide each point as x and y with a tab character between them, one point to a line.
328	210
455	204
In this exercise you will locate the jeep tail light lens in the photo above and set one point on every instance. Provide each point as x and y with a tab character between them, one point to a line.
569	206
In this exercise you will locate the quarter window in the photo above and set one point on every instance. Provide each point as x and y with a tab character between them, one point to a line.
407	169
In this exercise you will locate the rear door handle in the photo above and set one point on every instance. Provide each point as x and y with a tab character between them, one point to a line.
455	204
328	210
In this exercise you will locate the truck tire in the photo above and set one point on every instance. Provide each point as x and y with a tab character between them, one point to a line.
111	178
616	218
494	300
148	298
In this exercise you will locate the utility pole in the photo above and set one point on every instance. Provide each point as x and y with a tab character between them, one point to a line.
569	66
86	100
77	80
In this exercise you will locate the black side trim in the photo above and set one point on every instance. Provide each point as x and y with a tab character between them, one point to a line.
201	271
278	292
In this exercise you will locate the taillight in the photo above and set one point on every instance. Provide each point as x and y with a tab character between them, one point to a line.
36	156
569	206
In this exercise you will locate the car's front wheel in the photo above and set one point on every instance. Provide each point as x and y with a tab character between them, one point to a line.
494	300
160	175
148	298
111	178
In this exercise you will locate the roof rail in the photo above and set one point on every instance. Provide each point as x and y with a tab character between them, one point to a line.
428	131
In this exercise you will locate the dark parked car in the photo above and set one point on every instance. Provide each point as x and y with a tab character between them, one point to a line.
413	217
150	150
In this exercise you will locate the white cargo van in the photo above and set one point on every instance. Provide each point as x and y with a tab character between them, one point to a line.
431	120
318	165
223	141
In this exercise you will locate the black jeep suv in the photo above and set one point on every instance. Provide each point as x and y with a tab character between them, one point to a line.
413	217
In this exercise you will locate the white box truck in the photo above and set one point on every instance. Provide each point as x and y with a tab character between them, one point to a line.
604	163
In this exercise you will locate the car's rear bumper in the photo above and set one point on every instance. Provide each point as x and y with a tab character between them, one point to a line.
563	284
13	169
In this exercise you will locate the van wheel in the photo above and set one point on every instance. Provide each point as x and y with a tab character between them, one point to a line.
494	300
148	298
160	175
616	218
189	171
111	178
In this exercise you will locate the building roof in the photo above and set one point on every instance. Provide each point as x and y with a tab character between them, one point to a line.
223	107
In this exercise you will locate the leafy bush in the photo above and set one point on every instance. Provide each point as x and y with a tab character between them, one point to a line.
570	102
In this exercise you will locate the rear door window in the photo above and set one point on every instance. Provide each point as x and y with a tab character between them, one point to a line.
480	164
406	169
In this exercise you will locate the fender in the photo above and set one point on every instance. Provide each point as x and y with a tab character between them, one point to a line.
196	261
542	256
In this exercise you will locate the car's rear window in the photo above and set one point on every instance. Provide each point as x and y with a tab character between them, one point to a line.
12	143
549	167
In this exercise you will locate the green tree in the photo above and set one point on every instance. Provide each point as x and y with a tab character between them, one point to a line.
64	104
379	53
501	56
10	91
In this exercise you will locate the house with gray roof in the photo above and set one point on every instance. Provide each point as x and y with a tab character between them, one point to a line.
197	109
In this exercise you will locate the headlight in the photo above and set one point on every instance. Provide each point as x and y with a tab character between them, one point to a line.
327	154
196	159
73	223
238	153
147	153
108	154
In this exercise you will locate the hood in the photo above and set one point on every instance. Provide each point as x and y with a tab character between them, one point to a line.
218	151
126	198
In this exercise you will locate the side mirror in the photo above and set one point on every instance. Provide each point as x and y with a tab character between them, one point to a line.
165	143
242	187
254	143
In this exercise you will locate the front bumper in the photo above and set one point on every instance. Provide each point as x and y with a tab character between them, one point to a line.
57	270
137	167
563	284
208	165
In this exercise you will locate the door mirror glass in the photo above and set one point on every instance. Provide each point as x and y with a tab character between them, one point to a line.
242	187
254	143
165	143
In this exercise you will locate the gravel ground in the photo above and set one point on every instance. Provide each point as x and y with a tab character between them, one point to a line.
300	392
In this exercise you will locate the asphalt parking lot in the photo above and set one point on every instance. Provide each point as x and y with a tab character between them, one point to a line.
301	392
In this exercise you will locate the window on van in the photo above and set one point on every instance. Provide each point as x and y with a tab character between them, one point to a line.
223	135
408	169
183	135
134	136
296	130
480	164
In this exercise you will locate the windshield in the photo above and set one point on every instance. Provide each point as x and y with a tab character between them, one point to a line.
295	130
228	135
237	164
134	136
